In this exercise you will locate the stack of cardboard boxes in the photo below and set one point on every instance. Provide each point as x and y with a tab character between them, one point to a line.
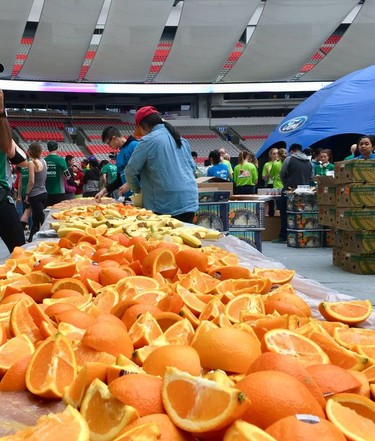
351	213
304	230
241	218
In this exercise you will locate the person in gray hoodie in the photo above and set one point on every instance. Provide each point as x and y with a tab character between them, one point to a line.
296	170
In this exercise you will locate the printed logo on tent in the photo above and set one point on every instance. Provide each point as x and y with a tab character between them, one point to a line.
292	124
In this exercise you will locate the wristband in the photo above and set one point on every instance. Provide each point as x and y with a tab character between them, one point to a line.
19	157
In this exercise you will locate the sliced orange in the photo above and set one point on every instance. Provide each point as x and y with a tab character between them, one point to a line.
181	332
81	302
284	341
248	303
367	351
22	322
74	393
212	310
106	299
351	313
69	283
192	302
158	261
85	355
348	337
139	283
147	431
278	276
144	330
13	350
241	430
106	416
353	414
66	425
38	291
51	368
59	269
337	354
96	231
14	378
199	405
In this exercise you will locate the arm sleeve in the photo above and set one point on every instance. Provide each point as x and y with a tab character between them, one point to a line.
115	184
136	162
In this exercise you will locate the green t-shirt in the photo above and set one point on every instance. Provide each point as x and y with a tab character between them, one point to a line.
56	167
245	174
110	171
320	170
24	171
3	170
266	170
225	161
275	174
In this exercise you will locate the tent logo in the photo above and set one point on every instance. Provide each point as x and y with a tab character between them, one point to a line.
292	124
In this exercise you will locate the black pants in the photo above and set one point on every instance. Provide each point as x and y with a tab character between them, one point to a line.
244	189
185	217
11	230
53	199
38	204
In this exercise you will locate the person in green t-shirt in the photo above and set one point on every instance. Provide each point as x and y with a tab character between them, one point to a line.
225	159
57	172
323	165
108	174
245	175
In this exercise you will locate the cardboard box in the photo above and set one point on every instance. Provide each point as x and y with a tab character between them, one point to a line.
326	195
210	184
302	202
212	215
355	195
358	263
272	228
252	237
303	221
359	241
337	237
213	196
355	218
327	215
337	256
306	238
355	170
246	214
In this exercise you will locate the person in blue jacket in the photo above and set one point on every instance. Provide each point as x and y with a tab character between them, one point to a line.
125	147
163	161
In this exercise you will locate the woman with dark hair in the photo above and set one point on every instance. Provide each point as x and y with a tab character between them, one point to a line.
366	145
217	169
36	192
162	160
91	179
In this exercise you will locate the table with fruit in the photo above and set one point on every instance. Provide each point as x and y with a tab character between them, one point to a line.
131	326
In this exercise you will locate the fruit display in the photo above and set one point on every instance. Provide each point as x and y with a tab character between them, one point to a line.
160	336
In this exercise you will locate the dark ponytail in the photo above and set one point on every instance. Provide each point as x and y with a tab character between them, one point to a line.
154	119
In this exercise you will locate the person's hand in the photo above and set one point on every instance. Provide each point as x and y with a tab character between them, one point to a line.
123	189
102	193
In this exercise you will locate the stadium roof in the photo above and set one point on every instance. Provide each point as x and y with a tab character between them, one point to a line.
158	42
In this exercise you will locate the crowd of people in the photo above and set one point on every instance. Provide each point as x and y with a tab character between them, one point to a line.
156	162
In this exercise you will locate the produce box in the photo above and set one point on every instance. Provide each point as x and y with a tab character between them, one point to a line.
337	237
358	263
303	221
306	238
355	195
337	256
212	215
328	238
327	215
326	190
355	218
272	228
355	170
209	184
246	214
302	202
213	196
252	237
359	241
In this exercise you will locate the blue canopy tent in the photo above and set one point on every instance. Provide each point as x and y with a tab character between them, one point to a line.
346	106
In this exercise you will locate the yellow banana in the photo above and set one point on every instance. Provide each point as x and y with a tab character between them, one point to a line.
190	239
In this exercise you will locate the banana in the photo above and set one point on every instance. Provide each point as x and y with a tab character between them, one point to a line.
213	235
190	239
112	213
63	231
174	223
